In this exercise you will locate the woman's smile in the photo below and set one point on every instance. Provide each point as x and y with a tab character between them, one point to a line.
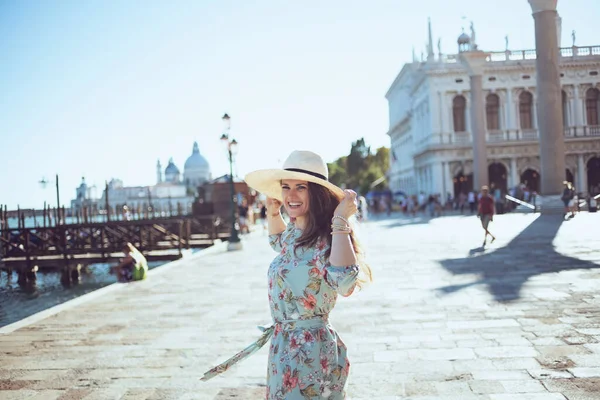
295	197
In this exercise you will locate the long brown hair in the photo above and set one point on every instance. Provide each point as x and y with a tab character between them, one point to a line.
322	204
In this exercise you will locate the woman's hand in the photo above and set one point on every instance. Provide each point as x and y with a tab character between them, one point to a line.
273	207
348	206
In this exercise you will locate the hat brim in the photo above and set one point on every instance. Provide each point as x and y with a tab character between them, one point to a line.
268	182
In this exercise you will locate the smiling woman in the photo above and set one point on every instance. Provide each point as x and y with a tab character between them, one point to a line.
295	196
318	258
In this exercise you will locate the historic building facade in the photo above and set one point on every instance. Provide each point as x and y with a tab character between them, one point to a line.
430	121
170	192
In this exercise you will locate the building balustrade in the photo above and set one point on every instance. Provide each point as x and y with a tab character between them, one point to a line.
496	136
530	54
582	131
503	136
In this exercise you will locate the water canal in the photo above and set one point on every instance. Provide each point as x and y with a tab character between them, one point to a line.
18	302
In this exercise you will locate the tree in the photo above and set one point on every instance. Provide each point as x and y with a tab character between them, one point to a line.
360	169
357	157
337	172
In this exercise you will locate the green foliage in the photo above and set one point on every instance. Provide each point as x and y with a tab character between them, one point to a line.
361	168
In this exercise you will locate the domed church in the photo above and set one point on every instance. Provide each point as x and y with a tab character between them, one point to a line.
169	192
196	170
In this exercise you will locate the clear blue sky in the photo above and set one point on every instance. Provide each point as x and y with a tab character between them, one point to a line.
103	89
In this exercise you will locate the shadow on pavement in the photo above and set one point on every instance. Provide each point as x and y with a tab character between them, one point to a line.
505	270
398	219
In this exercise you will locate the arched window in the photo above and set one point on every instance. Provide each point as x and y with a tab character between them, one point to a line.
492	111
526	110
592	106
565	109
459	108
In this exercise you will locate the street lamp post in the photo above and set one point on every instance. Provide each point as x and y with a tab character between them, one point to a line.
231	145
43	184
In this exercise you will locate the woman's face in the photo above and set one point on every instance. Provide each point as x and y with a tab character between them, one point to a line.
295	197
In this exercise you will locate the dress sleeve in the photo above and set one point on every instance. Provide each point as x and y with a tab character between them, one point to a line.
276	241
341	279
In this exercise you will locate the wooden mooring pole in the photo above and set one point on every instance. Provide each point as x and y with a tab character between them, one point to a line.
106	201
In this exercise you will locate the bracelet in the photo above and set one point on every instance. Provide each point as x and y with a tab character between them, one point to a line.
336	232
342	230
340	226
340	217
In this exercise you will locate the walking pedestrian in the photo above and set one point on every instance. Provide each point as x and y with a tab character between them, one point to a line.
472	201
318	259
243	211
462	200
568	198
486	211
263	216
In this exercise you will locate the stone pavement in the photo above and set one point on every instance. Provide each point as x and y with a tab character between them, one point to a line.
444	319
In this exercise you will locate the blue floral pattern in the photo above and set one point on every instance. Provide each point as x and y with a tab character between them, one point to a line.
307	358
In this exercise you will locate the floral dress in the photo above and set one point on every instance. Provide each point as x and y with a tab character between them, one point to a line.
307	359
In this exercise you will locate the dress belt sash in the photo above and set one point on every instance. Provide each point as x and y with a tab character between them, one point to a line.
284	325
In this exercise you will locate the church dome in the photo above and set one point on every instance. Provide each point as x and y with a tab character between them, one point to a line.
171	168
464	39
196	161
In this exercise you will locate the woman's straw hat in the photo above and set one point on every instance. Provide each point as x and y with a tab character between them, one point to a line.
300	165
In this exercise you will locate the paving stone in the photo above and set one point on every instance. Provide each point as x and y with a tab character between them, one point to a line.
542	374
528	396
585	372
515	363
512	340
17	394
46	395
441	354
501	375
506	352
486	387
523	386
547	341
454	388
451	397
575	389
489	323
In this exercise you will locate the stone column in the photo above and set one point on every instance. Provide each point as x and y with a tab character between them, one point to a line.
514	173
437	177
582	183
577	108
475	61
446	114
441	109
448	183
549	99
508	126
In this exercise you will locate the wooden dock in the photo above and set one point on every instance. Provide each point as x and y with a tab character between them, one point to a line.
157	238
